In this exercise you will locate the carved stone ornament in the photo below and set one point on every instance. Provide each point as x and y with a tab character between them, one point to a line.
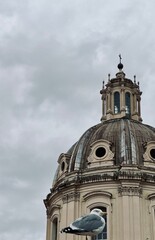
100	154
103	194
149	154
63	161
129	191
69	197
51	209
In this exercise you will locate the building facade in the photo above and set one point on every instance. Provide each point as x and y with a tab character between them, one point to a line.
112	167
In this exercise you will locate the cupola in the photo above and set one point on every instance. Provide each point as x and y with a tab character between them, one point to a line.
110	167
121	97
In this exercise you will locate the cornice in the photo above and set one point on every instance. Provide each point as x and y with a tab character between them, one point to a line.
111	176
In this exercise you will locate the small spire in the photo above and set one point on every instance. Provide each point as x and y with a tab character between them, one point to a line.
103	85
120	65
109	77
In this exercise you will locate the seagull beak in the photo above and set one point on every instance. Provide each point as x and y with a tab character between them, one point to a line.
104	213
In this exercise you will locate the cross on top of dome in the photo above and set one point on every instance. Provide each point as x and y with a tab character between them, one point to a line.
120	65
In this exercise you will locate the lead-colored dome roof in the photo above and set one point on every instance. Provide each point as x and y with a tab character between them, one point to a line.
114	142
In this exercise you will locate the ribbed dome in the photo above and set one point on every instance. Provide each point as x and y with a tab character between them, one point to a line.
126	136
127	141
111	167
119	140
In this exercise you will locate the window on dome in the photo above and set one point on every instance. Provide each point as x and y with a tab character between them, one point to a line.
152	153
103	234
127	104
116	102
62	166
100	152
54	229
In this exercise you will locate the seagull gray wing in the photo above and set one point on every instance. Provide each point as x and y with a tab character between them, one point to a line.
88	223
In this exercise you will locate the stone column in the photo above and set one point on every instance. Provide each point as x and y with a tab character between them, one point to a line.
122	102
48	228
136	218
108	101
69	212
103	107
134	103
131	220
139	108
126	218
63	213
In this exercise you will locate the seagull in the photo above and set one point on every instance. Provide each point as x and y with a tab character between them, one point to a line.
89	225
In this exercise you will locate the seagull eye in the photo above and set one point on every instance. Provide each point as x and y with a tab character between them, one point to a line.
97	211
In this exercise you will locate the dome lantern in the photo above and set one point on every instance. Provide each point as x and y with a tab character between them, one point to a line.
121	97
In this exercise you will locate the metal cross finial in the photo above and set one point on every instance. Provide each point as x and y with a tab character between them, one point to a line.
120	57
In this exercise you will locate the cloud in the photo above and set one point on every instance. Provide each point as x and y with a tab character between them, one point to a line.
54	56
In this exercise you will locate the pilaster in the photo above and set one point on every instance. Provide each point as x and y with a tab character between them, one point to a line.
130	197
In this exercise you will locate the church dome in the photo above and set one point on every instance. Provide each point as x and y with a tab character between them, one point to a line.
110	167
121	139
116	142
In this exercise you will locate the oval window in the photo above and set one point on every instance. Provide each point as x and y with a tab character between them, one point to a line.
152	153
100	152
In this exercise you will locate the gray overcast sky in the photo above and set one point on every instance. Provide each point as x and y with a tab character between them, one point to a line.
54	56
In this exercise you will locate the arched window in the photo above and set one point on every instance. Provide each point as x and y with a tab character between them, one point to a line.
103	234
116	102
127	104
54	229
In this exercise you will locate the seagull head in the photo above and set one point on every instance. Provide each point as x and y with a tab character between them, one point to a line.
98	212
